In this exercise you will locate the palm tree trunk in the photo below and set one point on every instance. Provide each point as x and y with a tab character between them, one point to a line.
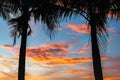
22	56
96	54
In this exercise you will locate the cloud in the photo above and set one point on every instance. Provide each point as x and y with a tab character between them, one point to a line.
112	78
83	50
111	29
88	77
72	41
75	71
55	77
79	28
48	52
111	68
7	63
14	50
65	61
84	28
55	54
52	73
115	35
8	70
8	59
33	27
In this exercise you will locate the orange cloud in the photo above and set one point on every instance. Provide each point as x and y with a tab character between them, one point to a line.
8	59
13	76
88	77
84	28
108	78
63	47
75	71
65	61
55	77
112	78
79	28
55	54
6	63
60	61
48	51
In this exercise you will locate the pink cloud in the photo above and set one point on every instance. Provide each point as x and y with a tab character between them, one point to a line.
79	28
84	28
83	50
115	35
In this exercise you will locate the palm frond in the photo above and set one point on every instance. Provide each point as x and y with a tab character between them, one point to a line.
17	25
50	15
115	9
4	10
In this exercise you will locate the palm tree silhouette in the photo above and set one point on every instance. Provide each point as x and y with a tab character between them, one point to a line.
20	27
96	13
25	9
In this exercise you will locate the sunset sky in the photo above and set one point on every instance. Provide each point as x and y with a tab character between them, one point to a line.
65	57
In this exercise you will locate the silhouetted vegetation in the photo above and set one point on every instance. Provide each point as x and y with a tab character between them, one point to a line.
50	12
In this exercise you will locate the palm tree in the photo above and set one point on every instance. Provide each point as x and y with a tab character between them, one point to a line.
20	27
96	13
25	9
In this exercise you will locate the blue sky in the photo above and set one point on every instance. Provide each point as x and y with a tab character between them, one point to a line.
67	56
